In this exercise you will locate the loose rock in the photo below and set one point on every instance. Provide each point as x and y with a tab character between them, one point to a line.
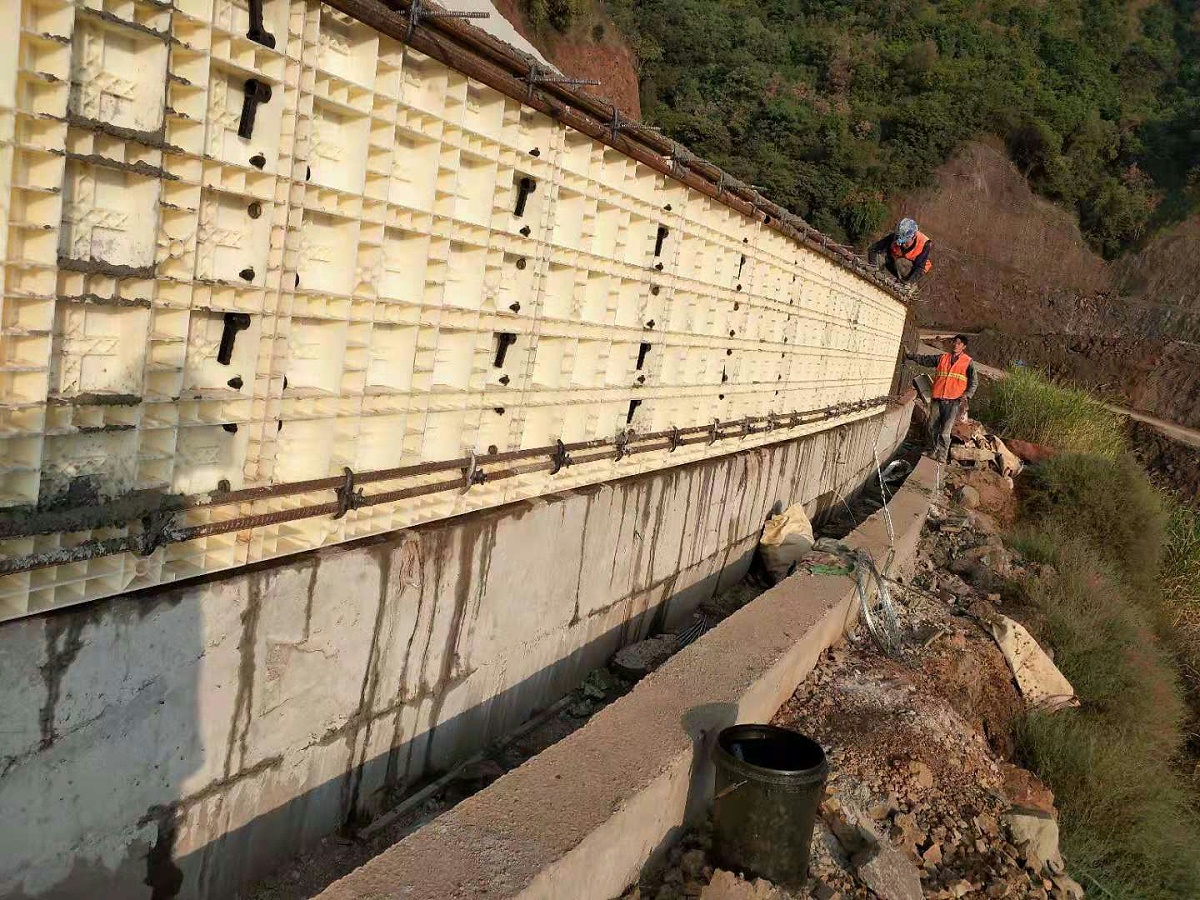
727	886
645	656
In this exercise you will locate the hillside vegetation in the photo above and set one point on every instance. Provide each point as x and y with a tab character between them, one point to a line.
1118	605
833	106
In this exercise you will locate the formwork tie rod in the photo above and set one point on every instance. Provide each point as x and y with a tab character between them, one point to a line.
158	528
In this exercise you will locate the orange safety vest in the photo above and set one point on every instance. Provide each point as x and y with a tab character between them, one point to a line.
912	252
950	379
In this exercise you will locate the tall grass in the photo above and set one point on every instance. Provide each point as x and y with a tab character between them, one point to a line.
1180	577
1028	406
1129	827
1119	604
1109	502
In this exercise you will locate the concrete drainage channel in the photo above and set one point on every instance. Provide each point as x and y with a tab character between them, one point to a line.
340	854
583	817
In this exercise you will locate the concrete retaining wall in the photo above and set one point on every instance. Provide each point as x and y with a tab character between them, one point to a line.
180	743
581	819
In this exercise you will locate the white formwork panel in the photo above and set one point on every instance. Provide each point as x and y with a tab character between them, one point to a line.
245	251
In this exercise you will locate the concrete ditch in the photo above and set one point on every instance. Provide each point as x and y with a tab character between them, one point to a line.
582	818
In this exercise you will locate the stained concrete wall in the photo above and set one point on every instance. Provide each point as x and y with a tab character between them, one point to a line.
180	743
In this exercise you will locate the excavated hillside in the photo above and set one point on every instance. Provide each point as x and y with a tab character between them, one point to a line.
1015	268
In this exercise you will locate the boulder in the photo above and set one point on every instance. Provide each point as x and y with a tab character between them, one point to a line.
969	432
1026	792
1042	685
1067	888
977	456
1007	461
968	497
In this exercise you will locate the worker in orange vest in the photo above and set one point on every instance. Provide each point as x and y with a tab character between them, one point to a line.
954	383
907	252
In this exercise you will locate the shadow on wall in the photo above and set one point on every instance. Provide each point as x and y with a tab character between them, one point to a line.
60	779
51	794
214	697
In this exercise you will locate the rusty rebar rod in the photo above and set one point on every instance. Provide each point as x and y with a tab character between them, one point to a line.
159	530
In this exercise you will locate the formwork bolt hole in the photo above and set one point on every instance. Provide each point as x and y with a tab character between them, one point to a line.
654	289
535	152
499	410
231	427
736	307
254	210
493	449
258	160
720	396
522	263
729	352
223	485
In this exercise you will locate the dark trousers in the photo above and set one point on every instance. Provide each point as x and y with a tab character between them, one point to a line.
941	423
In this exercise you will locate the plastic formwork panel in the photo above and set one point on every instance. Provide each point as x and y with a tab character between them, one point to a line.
250	245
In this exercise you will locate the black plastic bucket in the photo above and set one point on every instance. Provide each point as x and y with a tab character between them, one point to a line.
769	785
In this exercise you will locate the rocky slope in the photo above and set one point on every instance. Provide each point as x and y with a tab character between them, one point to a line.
924	797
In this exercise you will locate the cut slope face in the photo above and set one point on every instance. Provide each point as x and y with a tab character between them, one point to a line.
1003	257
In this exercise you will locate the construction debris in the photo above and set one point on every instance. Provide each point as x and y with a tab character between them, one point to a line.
924	799
727	886
785	540
1042	685
973	446
644	657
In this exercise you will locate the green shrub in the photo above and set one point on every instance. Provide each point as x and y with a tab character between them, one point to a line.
1028	406
828	103
1109	503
